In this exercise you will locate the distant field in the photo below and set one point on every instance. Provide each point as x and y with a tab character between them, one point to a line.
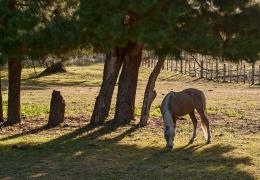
75	150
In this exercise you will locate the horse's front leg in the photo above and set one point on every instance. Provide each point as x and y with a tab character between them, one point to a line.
195	124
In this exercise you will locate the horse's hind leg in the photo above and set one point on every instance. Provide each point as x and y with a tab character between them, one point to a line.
205	125
195	124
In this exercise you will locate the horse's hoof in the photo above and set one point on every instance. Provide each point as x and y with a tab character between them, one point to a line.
209	141
191	141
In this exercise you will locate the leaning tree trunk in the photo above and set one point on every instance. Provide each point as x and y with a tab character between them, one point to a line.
112	67
14	88
150	92
125	104
1	99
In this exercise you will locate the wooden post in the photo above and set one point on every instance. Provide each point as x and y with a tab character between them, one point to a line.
211	70
237	73
244	74
224	71
201	69
181	66
189	66
167	65
206	69
194	67
171	65
217	71
176	65
185	67
230	73
259	75
163	65
57	110
253	73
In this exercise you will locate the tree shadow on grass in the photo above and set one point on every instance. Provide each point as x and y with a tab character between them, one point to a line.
83	154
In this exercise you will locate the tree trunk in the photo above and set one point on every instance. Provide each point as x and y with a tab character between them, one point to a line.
150	93
57	110
14	90
1	99
112	67
125	104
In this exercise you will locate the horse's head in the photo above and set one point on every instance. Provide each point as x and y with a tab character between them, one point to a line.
169	132
169	129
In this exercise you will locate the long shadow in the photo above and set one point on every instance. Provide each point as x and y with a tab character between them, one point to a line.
33	131
83	155
109	126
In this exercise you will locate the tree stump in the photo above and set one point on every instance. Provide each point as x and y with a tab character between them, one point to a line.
57	110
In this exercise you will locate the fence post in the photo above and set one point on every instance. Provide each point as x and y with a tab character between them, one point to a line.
244	74
253	73
167	65
230	72
171	64
176	65
189	66
181	66
237	74
194	66
163	65
206	69
259	75
185	66
224	71
201	69
216	69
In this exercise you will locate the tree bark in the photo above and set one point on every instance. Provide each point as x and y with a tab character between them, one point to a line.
112	67
14	90
1	99
125	104
57	110
150	92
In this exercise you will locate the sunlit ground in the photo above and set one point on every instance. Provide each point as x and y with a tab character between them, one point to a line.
75	150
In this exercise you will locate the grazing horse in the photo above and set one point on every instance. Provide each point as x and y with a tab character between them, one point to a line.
177	104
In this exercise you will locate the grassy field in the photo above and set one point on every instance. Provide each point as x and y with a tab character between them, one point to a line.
76	150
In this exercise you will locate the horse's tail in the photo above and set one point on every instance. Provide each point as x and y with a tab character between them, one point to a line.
204	120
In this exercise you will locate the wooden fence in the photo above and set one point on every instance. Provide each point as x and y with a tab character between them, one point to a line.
210	68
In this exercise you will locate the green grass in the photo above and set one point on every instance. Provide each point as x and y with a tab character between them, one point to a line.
79	151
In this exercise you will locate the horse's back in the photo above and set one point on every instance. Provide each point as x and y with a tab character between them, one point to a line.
197	96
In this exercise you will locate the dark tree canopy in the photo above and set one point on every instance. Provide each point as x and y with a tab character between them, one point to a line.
35	29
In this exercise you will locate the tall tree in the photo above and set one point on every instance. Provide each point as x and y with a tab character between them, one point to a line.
193	26
34	29
21	36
